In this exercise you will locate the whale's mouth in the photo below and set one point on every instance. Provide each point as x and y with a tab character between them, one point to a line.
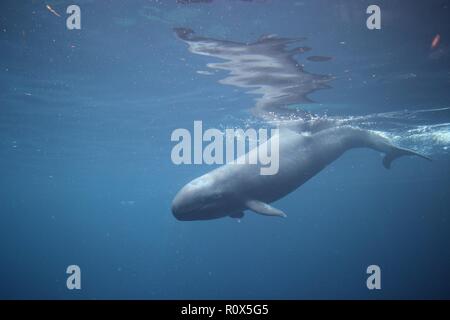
196	211
183	210
193	216
183	217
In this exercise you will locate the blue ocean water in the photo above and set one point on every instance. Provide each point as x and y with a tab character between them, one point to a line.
87	179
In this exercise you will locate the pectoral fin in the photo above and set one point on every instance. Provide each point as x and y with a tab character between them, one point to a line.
264	209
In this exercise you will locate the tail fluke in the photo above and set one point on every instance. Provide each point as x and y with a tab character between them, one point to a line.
396	152
353	137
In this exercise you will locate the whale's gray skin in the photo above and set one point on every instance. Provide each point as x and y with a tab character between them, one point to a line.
233	188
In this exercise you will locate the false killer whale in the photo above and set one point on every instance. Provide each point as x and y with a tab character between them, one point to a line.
233	188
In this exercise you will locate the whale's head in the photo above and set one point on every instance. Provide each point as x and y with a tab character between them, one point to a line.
200	199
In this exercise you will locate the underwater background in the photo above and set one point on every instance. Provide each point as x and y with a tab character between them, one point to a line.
86	176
